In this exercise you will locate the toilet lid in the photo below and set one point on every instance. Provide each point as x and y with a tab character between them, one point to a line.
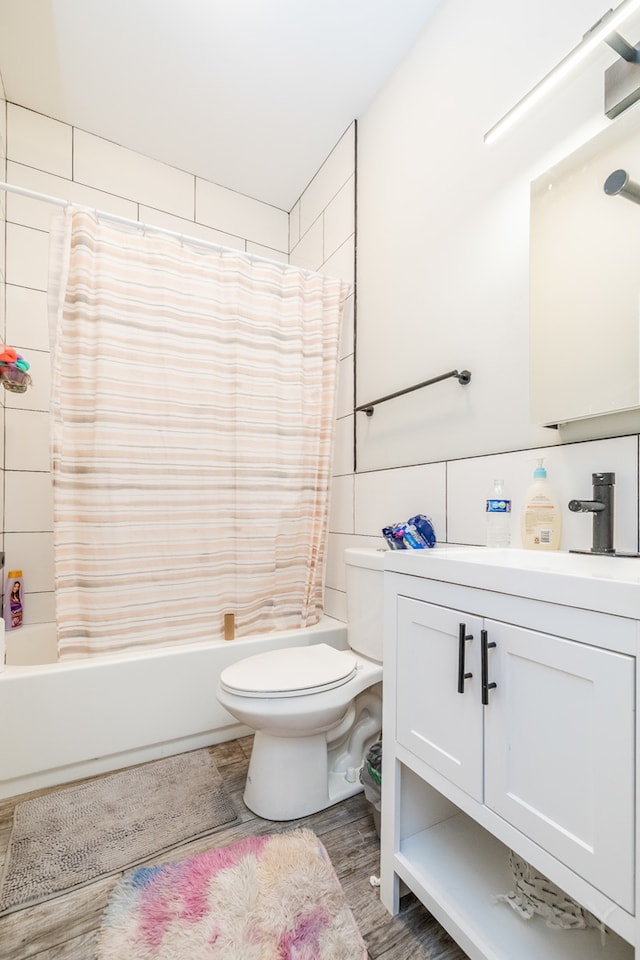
289	673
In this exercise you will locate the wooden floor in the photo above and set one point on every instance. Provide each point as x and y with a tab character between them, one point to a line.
65	928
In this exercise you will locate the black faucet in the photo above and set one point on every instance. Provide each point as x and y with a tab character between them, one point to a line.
602	509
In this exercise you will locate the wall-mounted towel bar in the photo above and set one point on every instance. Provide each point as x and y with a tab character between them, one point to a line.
462	376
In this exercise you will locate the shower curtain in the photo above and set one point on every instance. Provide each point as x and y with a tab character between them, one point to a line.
192	429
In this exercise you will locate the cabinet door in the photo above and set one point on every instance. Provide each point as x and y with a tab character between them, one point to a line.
434	721
559	751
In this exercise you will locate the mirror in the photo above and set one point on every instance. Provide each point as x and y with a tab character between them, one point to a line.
585	280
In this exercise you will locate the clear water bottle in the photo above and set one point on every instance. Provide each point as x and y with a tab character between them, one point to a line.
498	511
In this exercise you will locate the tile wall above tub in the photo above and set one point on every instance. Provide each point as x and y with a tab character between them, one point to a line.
53	158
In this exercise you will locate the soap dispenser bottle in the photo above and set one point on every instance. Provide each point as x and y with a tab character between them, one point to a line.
541	516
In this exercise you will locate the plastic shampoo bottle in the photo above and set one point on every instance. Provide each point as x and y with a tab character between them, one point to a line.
541	516
13	600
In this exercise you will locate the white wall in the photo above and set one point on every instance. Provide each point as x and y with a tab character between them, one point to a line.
443	278
443	225
51	157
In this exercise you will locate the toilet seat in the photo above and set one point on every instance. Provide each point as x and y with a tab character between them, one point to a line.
293	672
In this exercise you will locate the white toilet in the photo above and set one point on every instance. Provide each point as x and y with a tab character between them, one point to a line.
316	710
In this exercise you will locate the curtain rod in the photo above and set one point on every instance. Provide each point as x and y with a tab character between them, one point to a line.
139	225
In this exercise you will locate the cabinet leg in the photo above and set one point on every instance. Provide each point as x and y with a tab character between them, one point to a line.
390	891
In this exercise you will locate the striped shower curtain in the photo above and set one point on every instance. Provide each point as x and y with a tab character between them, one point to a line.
192	424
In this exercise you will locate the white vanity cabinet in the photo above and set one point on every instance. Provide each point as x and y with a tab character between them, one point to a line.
509	724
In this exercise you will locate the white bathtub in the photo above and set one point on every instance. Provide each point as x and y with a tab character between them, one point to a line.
60	721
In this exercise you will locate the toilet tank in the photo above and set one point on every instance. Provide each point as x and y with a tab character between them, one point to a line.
365	577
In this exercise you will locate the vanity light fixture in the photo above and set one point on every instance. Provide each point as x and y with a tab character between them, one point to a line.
615	102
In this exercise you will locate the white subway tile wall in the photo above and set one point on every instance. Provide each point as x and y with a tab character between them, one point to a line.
383	497
341	504
109	167
344	402
39	141
26	440
2	232
26	312
335	603
158	218
3	174
338	218
261	251
33	554
2	240
322	237
347	333
294	225
27	257
308	252
3	123
234	213
28	501
34	213
336	170
336	571
342	262
343	447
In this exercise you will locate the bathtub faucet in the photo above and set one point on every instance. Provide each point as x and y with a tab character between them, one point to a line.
602	509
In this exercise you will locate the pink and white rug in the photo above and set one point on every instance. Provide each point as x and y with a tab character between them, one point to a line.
273	897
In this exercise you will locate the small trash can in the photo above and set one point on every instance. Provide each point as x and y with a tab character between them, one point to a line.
371	780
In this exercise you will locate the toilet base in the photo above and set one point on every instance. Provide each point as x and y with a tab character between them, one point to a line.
288	778
292	777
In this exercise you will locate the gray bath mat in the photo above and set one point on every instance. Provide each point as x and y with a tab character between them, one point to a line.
68	838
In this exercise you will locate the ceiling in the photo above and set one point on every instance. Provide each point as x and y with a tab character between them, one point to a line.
251	94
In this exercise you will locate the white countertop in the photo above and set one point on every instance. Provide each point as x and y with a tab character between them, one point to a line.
605	584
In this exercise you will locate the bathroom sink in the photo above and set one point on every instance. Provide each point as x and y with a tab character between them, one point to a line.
607	584
555	561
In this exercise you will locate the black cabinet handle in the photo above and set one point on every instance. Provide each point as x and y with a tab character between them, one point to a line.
484	650
463	636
